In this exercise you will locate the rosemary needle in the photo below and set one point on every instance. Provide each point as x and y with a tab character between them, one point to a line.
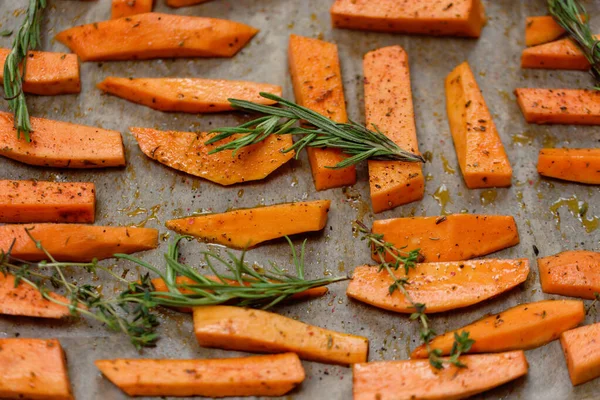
359	142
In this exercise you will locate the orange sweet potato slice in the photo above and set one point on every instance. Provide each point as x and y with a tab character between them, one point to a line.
127	8
582	352
571	273
575	165
559	106
541	29
560	54
25	300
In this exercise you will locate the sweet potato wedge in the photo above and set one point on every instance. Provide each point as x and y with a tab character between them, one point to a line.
441	286
186	151
317	81
156	35
37	201
258	331
541	29
560	54
571	273
416	379
388	105
269	375
61	144
33	369
480	152
190	95
48	73
184	3
426	17
575	165
73	242
523	327
454	237
582	352
24	300
559	106
127	8
249	227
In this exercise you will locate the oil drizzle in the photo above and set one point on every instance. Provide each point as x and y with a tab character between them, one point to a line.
442	196
579	209
487	197
150	215
447	168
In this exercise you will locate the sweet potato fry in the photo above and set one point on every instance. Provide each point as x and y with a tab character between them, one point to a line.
25	300
269	375
236	328
450	238
575	165
317	80
559	106
37	201
425	17
156	35
523	327
33	369
190	95
582	352
61	144
480	152
249	227
48	73
416	379
388	105
541	29
560	54
571	273
186	151
441	286
127	8
72	242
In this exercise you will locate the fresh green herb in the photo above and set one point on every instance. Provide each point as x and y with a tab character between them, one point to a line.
28	38
5	33
359	142
408	260
592	307
573	18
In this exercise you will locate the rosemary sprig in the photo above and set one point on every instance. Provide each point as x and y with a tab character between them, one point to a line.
407	260
572	16
359	142
27	38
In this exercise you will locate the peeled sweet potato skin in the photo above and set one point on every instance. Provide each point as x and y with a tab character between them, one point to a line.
416	379
246	228
571	273
389	106
575	165
559	106
186	151
236	328
560	54
523	327
25	300
582	353
270	375
456	237
441	286
127	8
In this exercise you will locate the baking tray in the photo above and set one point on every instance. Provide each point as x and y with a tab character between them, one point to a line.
146	192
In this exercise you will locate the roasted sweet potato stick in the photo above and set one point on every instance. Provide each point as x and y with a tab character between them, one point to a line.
389	107
417	379
156	35
48	73
186	151
450	238
25	300
127	8
61	144
249	227
560	106
37	201
561	54
33	369
317	80
236	328
576	165
441	286
541	29
269	375
523	327
425	17
479	150
73	242
582	352
190	95
571	273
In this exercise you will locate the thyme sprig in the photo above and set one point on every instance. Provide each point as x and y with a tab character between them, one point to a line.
357	141
27	38
408	260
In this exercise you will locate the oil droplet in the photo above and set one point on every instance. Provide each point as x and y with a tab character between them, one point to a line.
442	196
240	193
447	168
201	211
522	139
341	266
519	196
428	177
294	181
165	236
428	156
137	211
291	25
487	197
354	199
150	215
313	17
549	142
195	185
578	209
136	195
326	272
